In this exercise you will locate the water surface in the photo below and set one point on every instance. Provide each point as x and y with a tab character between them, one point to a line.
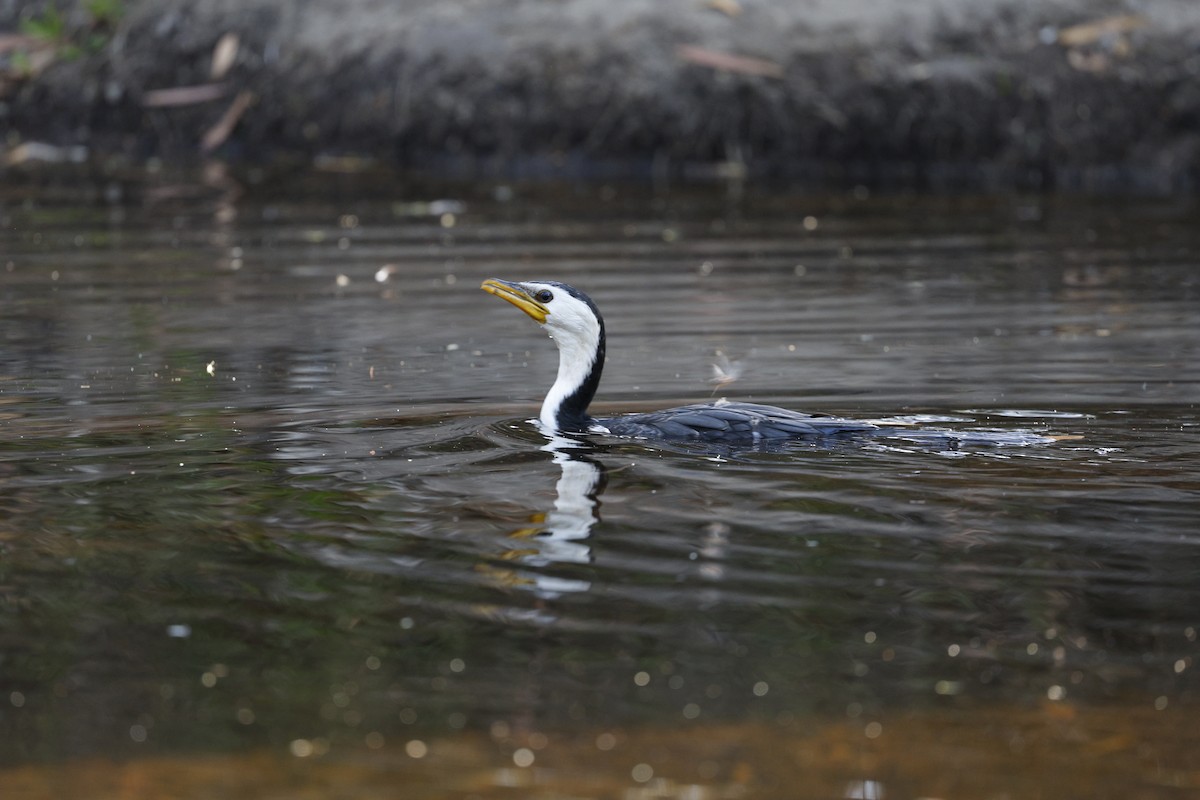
271	505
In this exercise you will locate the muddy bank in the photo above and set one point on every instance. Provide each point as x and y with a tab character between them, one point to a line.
1036	93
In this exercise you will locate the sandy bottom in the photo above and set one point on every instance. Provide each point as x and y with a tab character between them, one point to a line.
1056	750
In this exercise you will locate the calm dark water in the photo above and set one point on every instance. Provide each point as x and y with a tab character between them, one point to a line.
255	499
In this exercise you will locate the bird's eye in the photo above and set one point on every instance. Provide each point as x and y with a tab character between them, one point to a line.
544	296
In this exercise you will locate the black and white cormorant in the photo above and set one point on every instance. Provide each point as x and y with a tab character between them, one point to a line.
575	325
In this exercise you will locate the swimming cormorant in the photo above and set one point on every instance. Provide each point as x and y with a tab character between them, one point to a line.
574	323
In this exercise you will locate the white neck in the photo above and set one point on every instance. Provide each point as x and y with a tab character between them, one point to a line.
576	355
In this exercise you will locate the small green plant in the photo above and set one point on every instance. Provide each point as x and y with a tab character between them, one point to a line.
20	64
49	26
105	13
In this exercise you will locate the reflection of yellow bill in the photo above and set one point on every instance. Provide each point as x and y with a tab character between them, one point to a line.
525	533
520	298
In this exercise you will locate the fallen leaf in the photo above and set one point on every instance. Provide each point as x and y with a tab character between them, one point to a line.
1092	32
729	62
730	8
224	54
185	95
217	134
28	152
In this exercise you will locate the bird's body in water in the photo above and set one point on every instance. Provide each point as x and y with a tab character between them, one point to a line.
575	324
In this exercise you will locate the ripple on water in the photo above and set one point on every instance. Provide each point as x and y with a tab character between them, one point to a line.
363	536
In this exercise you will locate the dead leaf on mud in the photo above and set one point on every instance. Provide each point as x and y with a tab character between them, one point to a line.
224	55
1092	32
730	8
184	95
217	134
728	62
1093	46
30	152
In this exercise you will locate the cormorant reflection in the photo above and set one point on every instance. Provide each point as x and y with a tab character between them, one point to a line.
560	537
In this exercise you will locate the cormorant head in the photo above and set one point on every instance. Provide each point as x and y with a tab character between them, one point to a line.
569	315
575	325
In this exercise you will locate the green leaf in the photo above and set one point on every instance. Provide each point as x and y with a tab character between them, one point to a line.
105	12
49	26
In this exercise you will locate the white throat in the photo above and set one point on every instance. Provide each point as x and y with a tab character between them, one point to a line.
578	337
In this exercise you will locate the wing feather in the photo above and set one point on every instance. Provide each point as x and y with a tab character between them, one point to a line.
731	422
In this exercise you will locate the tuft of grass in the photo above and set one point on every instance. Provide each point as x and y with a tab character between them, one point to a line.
49	26
105	13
